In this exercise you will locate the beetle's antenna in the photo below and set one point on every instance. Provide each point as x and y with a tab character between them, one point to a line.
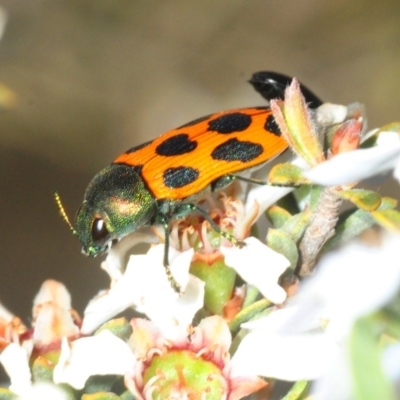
63	214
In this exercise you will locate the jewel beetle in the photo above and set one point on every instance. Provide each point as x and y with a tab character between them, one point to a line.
164	178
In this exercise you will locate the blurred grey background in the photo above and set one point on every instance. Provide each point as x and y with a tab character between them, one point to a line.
95	77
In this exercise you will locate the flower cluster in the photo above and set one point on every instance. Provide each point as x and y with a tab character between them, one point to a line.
247	316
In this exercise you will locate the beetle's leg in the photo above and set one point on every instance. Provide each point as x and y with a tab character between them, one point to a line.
214	225
257	181
171	279
223	182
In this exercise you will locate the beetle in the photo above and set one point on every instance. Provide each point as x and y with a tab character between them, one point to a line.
164	178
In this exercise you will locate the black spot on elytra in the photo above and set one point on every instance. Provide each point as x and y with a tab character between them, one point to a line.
178	177
236	150
195	121
176	145
138	147
229	123
272	126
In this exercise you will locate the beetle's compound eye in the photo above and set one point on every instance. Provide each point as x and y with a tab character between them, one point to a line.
99	230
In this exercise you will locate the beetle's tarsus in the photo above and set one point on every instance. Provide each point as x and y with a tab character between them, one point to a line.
175	285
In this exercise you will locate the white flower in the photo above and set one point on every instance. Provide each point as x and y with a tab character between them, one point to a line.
145	286
260	266
53	316
114	264
44	390
360	164
289	344
102	354
330	114
188	365
303	356
14	359
391	362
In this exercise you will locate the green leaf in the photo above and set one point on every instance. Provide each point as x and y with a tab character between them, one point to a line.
371	141
348	228
252	293
238	334
296	225
42	369
389	219
246	314
315	194
219	280
393	127
298	391
101	396
289	202
309	194
367	200
287	175
277	216
127	395
388	203
6	394
353	223
389	318
101	383
369	380
120	327
282	243
302	136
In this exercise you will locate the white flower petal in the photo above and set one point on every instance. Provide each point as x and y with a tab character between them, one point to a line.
53	322
145	286
114	261
396	172
331	114
349	283
391	361
213	333
15	360
388	138
43	390
265	196
175	316
103	354
368	277
260	266
284	357
355	165
52	291
277	321
336	383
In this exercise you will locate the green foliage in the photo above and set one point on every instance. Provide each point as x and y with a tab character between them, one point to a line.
6	394
120	327
367	200
287	175
282	243
369	380
298	391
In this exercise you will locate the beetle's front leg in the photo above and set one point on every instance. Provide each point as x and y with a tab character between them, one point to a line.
175	285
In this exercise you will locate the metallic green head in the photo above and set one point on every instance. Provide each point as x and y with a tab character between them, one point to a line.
116	203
